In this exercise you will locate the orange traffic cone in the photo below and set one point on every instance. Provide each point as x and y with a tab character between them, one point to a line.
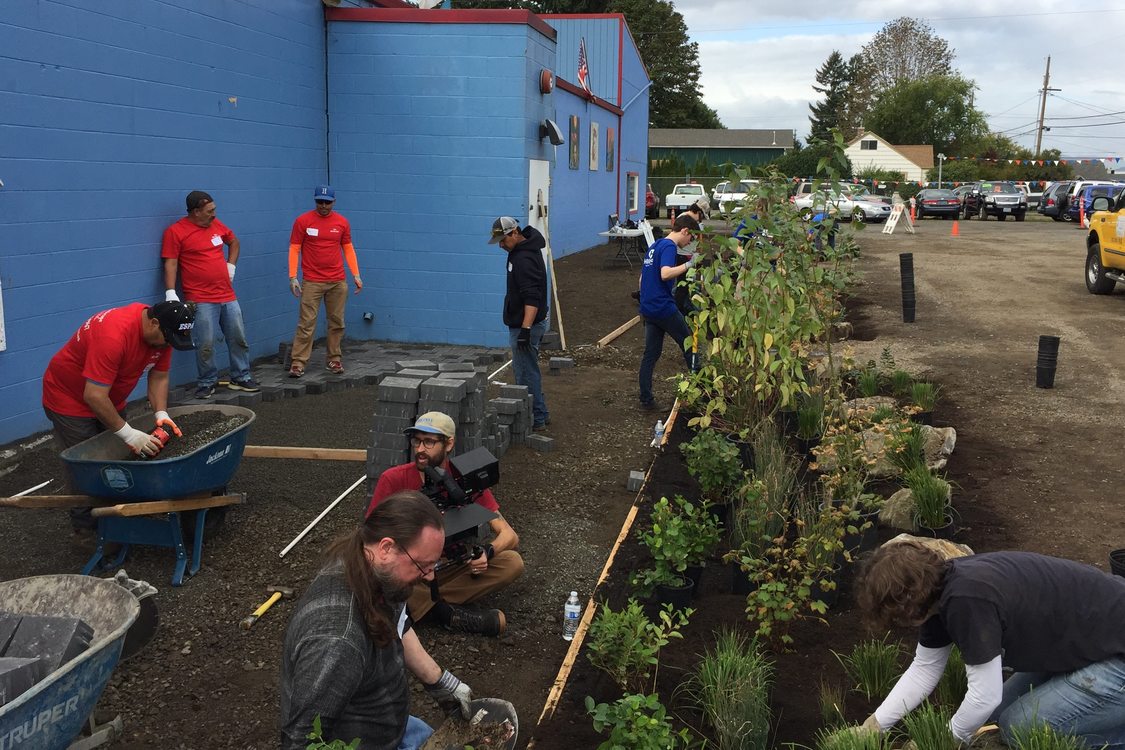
956	230
1081	213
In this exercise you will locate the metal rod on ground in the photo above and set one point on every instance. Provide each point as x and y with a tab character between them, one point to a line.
29	490
618	331
323	513
500	369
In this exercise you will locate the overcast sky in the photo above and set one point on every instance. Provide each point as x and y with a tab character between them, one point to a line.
759	60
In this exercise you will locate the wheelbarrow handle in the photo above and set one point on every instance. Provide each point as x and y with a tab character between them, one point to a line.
248	622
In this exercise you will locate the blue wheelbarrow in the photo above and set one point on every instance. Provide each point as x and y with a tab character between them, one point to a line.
50	715
141	501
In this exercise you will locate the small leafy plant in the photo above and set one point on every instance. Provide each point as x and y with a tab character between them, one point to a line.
925	395
931	497
873	665
636	722
682	534
732	689
928	727
715	463
626	645
317	741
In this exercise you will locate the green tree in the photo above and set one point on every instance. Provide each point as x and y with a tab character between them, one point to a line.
906	49
933	110
672	61
831	111
861	96
801	162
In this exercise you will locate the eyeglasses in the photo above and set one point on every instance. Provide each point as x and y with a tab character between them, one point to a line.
429	442
324	203
421	570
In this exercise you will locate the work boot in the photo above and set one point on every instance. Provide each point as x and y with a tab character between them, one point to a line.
477	621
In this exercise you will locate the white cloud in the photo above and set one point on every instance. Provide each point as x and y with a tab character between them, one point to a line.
759	61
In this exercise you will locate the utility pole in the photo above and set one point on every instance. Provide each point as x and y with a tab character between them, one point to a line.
1043	106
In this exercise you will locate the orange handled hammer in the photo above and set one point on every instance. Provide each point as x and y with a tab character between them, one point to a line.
279	592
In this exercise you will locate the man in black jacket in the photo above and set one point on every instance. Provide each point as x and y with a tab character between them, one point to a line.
525	306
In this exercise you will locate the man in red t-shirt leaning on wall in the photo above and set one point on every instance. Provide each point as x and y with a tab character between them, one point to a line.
88	381
193	250
318	237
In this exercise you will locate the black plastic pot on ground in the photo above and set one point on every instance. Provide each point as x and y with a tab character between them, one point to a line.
740	580
787	421
695	573
923	417
678	596
805	447
1047	362
945	531
1117	562
866	538
827	594
745	451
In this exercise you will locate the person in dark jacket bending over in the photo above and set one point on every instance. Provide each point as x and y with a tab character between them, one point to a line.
525	306
1058	624
350	643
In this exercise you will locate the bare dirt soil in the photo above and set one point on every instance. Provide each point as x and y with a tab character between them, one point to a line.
1036	469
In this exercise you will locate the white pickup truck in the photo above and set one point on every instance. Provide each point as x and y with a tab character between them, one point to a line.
730	195
685	194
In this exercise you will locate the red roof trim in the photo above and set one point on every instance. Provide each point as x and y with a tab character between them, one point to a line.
582	93
416	15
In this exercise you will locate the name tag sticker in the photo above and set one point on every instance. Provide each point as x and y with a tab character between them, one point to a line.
1121	226
216	240
312	232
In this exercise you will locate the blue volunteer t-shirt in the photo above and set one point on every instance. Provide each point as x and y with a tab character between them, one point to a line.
656	294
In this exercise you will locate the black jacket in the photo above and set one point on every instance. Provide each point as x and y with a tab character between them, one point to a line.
527	279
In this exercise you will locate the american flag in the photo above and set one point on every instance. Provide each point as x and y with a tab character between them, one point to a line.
583	70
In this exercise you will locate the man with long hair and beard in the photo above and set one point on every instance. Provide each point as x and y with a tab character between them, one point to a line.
350	642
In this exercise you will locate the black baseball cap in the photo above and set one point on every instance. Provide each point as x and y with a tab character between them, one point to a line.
176	321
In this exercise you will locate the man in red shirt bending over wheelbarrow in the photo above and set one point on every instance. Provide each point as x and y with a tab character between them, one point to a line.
89	380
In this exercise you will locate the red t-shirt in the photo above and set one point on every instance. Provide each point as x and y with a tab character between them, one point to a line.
203	264
108	349
321	239
406	477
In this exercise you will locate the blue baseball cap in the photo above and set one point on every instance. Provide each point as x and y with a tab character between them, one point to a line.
324	193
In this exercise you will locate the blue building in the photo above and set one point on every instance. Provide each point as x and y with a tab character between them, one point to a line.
429	123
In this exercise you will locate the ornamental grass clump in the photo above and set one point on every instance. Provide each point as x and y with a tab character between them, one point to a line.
849	739
931	497
833	703
868	382
954	681
928	728
732	690
1042	736
810	416
901	383
925	395
907	449
873	666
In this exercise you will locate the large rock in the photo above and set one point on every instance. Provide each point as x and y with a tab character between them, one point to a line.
940	442
944	547
898	511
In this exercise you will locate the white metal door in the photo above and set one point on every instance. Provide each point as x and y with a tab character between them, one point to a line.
538	193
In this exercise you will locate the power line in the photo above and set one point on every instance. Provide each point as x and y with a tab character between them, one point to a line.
1087	117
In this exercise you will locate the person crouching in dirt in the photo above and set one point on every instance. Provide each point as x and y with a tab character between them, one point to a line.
1058	624
350	641
455	583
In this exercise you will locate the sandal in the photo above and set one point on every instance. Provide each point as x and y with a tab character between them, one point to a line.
336	366
296	371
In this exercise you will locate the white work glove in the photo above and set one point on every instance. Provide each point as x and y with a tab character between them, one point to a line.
230	271
171	296
295	286
690	262
140	442
163	420
452	695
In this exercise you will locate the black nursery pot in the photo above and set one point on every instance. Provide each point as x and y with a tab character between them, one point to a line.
1045	376
868	538
1117	562
745	451
945	531
787	420
678	596
695	573
908	311
923	417
721	512
827	596
740	580
805	447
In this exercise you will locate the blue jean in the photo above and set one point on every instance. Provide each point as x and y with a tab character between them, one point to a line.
1089	702
226	316
525	366
417	732
675	326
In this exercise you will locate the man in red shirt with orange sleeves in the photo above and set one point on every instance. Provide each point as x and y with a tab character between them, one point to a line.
318	237
193	250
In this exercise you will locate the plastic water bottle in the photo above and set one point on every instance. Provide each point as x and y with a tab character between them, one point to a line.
571	612
658	434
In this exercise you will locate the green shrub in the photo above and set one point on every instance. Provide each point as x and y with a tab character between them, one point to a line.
681	534
635	722
715	463
928	727
873	666
626	645
732	690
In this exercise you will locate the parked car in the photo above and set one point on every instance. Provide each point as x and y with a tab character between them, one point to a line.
685	194
729	196
935	202
1071	197
845	205
1053	198
1105	245
1083	202
986	198
652	203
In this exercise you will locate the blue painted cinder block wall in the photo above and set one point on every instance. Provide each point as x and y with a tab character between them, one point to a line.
588	196
110	113
431	126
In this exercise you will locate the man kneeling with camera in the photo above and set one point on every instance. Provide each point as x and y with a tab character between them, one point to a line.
471	567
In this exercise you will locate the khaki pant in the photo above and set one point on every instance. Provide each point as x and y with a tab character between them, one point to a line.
457	586
335	295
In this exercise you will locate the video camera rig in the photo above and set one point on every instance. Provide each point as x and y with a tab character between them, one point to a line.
455	494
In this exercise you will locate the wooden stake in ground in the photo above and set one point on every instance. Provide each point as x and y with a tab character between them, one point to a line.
554	282
618	331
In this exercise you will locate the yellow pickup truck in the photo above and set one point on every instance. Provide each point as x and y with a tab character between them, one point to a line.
1105	245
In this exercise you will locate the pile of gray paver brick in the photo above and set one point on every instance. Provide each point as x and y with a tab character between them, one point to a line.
458	389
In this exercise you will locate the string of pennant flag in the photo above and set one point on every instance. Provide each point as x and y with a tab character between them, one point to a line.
1036	162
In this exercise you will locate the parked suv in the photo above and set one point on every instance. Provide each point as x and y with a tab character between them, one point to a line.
1053	199
1000	199
1105	245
